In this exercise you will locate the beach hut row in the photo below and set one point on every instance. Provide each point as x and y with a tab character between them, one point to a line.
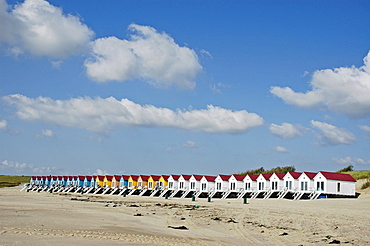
291	185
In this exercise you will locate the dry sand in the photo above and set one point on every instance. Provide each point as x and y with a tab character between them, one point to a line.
31	218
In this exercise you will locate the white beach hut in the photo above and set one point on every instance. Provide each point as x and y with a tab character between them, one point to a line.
335	184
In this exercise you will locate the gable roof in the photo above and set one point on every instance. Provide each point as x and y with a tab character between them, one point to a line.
338	176
155	177
238	177
125	177
310	175
197	177
186	177
280	175
144	177
134	177
210	178
253	177
88	177
295	175
165	177
175	177
224	177
266	176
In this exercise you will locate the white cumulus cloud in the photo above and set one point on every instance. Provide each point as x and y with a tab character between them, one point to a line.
333	135
102	115
42	29
13	167
286	130
148	55
46	133
349	161
3	124
190	144
345	90
281	149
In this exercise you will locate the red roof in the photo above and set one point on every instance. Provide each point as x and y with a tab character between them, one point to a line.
186	177
210	178
310	175
253	177
109	177
338	176
224	177
239	177
134	177
295	175
165	177
155	177
81	178
198	177
144	177
280	175
175	177
88	177
117	177
266	176
125	177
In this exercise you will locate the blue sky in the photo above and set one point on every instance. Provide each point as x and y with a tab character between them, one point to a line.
192	87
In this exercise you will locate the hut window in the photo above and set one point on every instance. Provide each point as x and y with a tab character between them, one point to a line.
320	186
247	186
304	185
181	185
170	185
261	185
150	184
204	186
218	186
192	185
130	184
274	185
232	186
288	184
338	187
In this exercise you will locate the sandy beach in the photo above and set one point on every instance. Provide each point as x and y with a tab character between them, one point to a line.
32	218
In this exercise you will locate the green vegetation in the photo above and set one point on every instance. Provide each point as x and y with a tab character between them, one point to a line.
271	171
365	174
365	185
346	169
9	181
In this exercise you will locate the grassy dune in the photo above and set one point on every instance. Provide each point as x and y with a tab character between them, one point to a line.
364	174
9	181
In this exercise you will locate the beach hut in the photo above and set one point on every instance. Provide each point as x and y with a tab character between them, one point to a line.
163	181
277	181
194	182
99	181
87	181
222	185
250	182
116	181
81	181
263	181
132	181
142	181
306	181
207	183
33	180
291	181
153	182
236	185
263	185
236	182
107	181
173	182
335	184
184	181
123	182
